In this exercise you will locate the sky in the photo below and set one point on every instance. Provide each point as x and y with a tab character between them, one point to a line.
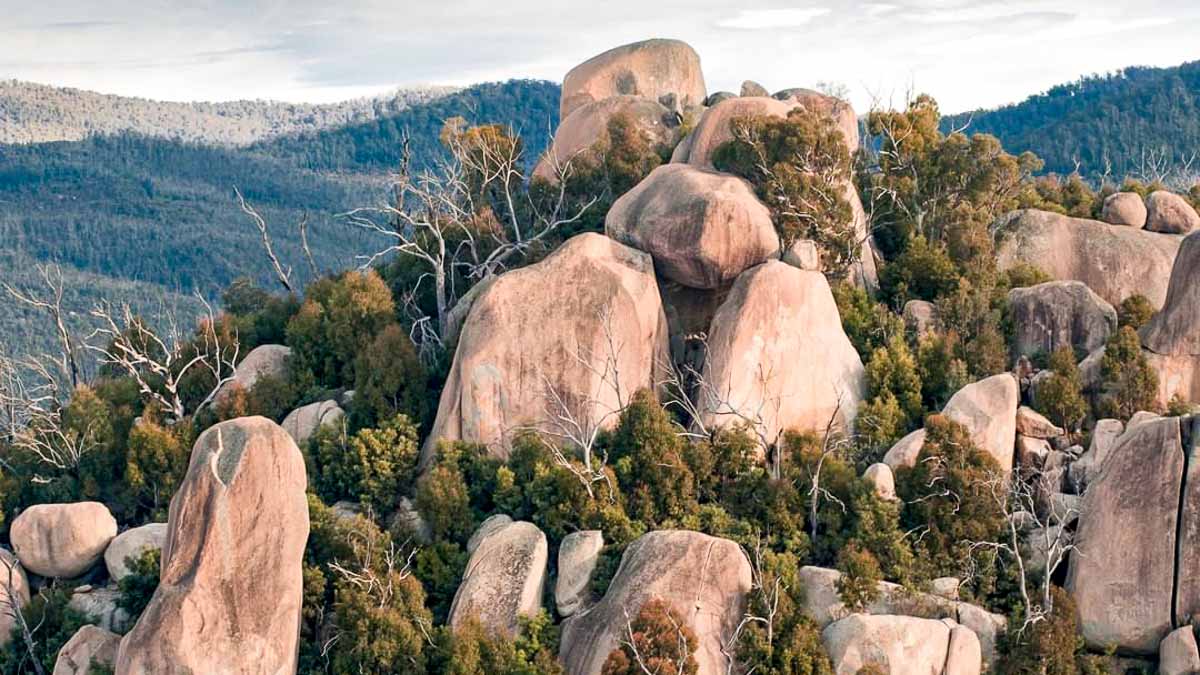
967	53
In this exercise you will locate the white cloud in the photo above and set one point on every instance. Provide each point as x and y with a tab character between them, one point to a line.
761	19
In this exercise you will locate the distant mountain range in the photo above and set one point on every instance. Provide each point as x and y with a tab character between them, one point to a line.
1120	123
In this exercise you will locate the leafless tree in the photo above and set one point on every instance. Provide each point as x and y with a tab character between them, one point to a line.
12	606
51	303
284	275
469	216
1165	167
160	363
31	417
766	591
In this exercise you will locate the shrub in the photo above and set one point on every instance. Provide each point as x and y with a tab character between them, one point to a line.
868	324
941	371
1048	646
657	640
338	320
649	461
1060	395
876	530
373	467
1130	384
470	649
390	379
52	623
792	644
922	271
1135	311
443	500
138	586
858	586
892	371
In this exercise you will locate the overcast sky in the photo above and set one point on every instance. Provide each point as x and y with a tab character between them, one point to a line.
967	53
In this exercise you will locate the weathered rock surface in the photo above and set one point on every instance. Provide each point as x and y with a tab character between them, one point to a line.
230	591
777	353
262	361
881	477
964	656
1115	262
528	331
14	593
988	410
88	650
1177	653
588	125
504	578
1124	208
893	644
132	543
62	540
841	111
1175	331
906	450
752	88
487	528
650	69
1169	213
803	254
577	557
701	227
304	421
1033	424
703	578
715	126
1104	438
100	603
920	317
1060	314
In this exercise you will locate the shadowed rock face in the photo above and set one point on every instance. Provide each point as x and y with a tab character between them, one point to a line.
504	578
1172	338
704	579
591	299
231	584
1060	314
650	69
1140	539
588	124
1114	261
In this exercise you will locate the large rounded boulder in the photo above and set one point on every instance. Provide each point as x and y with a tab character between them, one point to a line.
1169	213
262	361
831	106
901	645
701	227
716	126
778	357
229	595
588	125
1115	262
987	409
702	578
504	579
62	540
561	326
132	543
1060	314
304	421
1124	208
651	69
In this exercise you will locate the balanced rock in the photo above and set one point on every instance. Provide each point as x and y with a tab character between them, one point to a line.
702	228
577	557
304	421
229	595
777	356
504	578
716	126
14	594
588	125
1060	314
592	299
650	69
803	254
703	579
1178	654
132	543
89	650
262	361
1115	262
1169	213
1124	208
1033	424
893	644
62	540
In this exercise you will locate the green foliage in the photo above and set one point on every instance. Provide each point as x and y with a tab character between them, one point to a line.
974	315
648	456
658	640
390	379
1070	196
792	644
892	372
470	649
1135	311
138	586
1060	395
876	531
923	270
858	586
52	623
443	497
1130	384
941	370
868	324
373	467
260	317
1048	647
798	166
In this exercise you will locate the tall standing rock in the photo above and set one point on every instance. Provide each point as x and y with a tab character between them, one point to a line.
701	227
1172	338
651	69
1060	314
504	578
703	579
777	356
230	591
588	125
555	325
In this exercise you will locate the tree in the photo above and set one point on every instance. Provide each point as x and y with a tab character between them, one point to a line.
156	460
1129	383
858	585
775	637
648	455
892	372
655	641
1060	394
374	466
1135	311
339	319
390	379
876	530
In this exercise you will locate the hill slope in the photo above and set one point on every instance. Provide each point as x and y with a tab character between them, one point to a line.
1103	121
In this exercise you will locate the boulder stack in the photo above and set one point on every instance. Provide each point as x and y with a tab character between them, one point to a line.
1169	213
1124	208
588	125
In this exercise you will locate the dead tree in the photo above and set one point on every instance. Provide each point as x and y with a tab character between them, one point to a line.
31	417
51	304
283	274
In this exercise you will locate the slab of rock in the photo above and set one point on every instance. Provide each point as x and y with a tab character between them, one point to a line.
988	409
775	319
1032	452
987	626
1187	563
841	111
304	421
1033	424
704	579
906	450
132	543
587	125
1178	654
701	227
262	361
487	528
1175	331
1059	314
100	605
1169	213
920	317
1124	208
881	478
593	298
803	254
893	644
1123	585
88	650
408	519
577	557
650	69
1115	262
752	88
504	579
62	540
945	587
230	591
964	656
1178	377
14	594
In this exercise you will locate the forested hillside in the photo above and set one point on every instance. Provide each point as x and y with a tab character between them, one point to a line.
1107	122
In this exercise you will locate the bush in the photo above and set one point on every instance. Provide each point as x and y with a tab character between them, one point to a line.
1060	395
868	324
1135	312
892	372
922	271
648	456
1049	646
658	641
374	467
389	380
876	530
138	586
941	371
339	319
1130	384
52	623
470	649
858	586
444	500
792	644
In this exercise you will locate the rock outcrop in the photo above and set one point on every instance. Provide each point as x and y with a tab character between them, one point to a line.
901	645
304	421
701	227
130	544
62	540
504	578
650	69
1124	208
101	603
715	127
577	557
89	649
880	476
1033	424
1060	314
988	410
1177	653
1115	262
1169	213
777	354
704	579
1172	337
229	596
262	361
587	125
593	298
